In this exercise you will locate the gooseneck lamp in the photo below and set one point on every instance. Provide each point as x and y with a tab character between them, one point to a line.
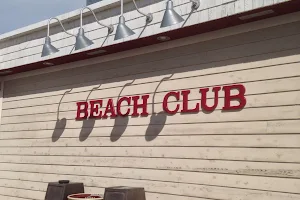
122	30
48	48
171	17
149	16
81	40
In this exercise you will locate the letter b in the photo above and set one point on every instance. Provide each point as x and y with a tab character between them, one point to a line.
239	97
81	110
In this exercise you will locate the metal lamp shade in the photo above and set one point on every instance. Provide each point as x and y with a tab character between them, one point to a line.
48	48
171	17
123	30
82	41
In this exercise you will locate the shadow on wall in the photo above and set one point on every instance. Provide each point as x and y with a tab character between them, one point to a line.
157	120
60	124
156	125
86	129
121	123
119	127
89	124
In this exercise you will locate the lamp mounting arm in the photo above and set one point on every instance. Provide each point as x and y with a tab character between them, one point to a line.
195	4
54	18
149	16
110	27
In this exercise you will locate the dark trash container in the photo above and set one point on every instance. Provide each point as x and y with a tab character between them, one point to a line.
124	193
62	189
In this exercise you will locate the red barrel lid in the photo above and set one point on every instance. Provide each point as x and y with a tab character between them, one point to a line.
84	196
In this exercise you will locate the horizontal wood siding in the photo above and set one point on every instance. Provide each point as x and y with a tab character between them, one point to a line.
248	154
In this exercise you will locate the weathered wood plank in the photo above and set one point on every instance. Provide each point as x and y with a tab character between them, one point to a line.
22	193
11	197
16	163
217	153
24	185
266	141
240	128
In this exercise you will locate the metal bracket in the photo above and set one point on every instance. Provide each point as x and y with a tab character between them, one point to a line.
195	4
110	27
49	21
149	16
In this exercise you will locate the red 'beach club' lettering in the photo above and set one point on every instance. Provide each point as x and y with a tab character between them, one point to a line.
137	105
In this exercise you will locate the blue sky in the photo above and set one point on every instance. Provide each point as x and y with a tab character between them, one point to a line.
16	14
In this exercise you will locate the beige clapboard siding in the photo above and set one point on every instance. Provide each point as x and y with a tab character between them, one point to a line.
194	165
206	191
56	165
285	155
266	141
22	193
253	101
247	77
269	86
240	128
11	197
234	181
271	141
160	88
277	58
260	87
250	114
255	48
19	184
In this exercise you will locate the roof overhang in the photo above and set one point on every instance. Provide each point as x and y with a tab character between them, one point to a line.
226	22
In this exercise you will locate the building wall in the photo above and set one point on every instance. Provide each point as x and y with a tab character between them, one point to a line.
250	154
24	46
